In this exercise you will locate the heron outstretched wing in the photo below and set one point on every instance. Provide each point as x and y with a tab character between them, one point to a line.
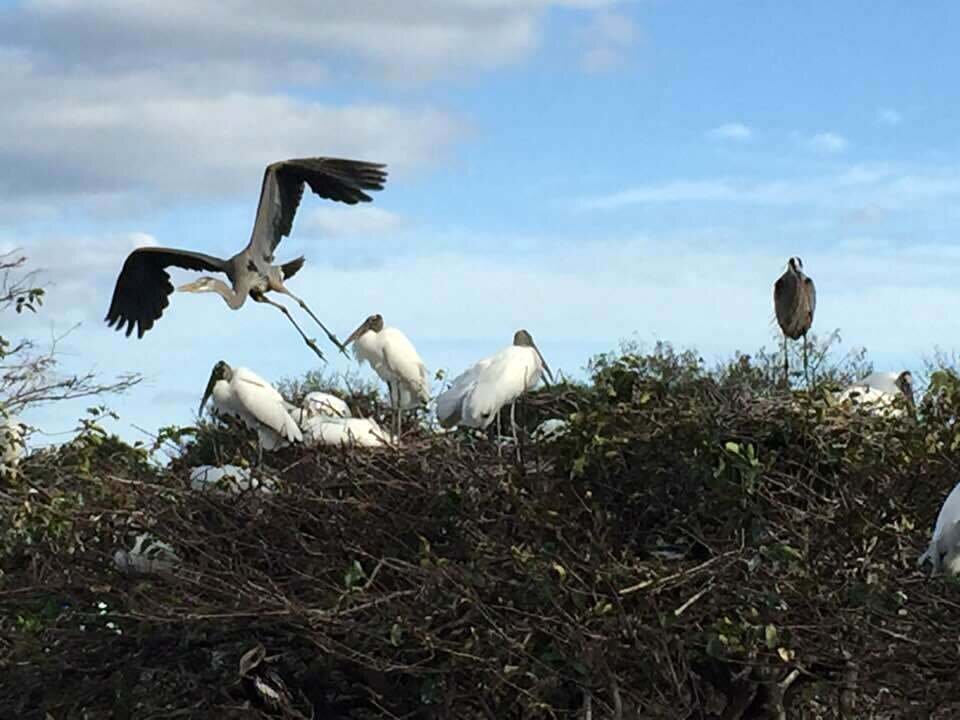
331	178
143	286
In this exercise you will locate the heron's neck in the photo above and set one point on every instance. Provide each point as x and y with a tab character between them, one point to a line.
233	298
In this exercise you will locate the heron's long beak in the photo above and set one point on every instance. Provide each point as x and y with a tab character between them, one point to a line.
545	366
356	333
189	287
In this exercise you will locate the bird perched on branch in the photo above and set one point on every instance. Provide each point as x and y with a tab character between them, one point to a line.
143	286
393	357
243	393
944	550
794	301
475	397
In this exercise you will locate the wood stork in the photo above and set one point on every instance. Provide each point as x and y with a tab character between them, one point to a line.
475	397
944	550
229	478
794	301
879	390
12	442
143	286
243	393
363	432
320	403
550	430
148	555
393	357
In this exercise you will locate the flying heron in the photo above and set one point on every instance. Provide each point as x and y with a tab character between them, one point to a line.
476	396
143	286
794	300
243	393
393	357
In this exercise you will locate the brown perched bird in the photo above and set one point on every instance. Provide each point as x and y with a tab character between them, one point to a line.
143	286
794	301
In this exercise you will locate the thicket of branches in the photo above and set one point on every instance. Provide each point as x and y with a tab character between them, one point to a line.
699	544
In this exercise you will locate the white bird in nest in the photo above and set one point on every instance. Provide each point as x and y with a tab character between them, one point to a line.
243	393
550	430
363	432
148	555
944	550
12	441
231	479
393	357
321	403
878	392
475	397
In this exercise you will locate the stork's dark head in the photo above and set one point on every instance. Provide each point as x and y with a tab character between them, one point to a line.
905	384
221	371
521	338
374	323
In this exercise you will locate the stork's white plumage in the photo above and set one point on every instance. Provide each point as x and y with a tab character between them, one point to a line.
363	432
944	550
321	403
228	478
394	358
12	445
243	393
475	397
878	391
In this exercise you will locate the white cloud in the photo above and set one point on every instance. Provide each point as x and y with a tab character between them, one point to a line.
889	117
408	41
827	142
608	38
133	132
336	221
731	131
858	186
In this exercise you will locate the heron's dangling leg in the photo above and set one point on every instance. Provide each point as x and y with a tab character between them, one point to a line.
786	363
311	343
330	335
806	374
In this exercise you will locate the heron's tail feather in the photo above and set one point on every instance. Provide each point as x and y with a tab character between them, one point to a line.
292	268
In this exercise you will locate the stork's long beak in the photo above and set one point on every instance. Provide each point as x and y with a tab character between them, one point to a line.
206	393
356	333
545	366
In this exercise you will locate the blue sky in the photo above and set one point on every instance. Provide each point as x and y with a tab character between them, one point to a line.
592	171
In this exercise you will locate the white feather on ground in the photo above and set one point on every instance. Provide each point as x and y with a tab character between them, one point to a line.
148	555
231	479
362	432
944	550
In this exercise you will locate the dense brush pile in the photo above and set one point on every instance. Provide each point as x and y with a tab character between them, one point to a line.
697	545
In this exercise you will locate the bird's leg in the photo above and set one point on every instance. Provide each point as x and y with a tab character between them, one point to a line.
330	335
806	374
786	365
513	421
311	343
